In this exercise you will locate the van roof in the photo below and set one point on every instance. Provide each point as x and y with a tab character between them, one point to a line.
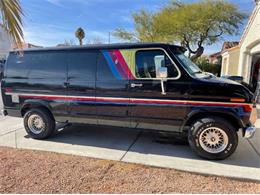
103	46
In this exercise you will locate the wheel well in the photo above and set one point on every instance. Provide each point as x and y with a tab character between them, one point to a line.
229	118
28	107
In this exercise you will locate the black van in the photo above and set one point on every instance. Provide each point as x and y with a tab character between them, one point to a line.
1	69
150	86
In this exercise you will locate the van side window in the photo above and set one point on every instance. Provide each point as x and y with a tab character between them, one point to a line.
148	63
47	65
82	65
16	66
37	65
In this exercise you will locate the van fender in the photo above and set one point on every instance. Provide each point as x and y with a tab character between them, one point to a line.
193	115
34	104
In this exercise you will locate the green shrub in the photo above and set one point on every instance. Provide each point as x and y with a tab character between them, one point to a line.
206	66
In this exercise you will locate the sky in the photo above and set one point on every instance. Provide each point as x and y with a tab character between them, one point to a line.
51	22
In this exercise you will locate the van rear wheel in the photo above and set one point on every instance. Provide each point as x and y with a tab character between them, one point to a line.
213	138
38	123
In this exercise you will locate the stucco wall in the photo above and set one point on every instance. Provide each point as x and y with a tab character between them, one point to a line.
256	49
224	66
230	61
249	41
233	62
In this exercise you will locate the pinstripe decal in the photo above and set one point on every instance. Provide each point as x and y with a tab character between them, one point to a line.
139	101
123	64
112	65
118	65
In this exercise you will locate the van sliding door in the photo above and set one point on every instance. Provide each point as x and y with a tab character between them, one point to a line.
112	83
81	86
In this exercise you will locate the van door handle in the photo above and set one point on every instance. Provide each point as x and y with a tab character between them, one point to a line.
133	85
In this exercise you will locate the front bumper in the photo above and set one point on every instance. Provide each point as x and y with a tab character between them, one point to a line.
249	132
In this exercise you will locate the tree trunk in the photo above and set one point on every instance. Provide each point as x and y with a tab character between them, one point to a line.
80	42
198	53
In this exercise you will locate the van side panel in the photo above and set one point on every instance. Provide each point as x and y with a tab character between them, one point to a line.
112	96
82	67
36	76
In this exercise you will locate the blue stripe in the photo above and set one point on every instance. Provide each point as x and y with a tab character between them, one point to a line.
112	65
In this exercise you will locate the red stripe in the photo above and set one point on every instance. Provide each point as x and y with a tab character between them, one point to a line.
98	99
60	98
8	90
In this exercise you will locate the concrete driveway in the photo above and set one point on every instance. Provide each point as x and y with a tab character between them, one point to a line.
129	145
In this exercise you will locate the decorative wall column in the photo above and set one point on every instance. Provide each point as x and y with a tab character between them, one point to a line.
227	66
242	63
248	67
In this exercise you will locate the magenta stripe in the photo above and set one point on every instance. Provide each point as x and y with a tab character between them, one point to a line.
123	64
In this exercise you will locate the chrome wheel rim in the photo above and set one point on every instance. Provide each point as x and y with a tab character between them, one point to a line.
36	124
213	140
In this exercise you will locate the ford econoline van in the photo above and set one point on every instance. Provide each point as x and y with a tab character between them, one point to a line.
150	86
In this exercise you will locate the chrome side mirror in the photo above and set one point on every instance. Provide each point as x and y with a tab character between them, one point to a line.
163	74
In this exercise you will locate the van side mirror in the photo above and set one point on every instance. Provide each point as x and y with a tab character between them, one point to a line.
162	72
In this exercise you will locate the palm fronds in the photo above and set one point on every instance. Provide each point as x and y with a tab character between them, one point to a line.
11	19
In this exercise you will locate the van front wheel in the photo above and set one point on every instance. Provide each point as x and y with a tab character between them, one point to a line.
39	123
213	138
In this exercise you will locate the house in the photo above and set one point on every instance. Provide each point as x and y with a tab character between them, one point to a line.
230	59
5	43
216	58
244	59
26	46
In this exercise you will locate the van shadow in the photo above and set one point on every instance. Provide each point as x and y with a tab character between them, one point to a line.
144	142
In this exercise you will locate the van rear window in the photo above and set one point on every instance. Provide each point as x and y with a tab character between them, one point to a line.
16	68
37	65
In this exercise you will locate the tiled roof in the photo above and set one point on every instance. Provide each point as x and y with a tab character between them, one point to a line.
228	44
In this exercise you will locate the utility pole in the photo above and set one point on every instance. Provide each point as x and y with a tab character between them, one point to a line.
108	37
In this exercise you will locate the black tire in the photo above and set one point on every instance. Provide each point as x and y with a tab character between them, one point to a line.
202	126
48	121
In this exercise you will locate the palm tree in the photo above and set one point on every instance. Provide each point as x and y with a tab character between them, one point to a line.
80	34
11	19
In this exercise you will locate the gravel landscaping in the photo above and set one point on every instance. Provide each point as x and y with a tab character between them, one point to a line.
25	171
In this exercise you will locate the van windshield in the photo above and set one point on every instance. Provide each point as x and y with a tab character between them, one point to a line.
186	62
